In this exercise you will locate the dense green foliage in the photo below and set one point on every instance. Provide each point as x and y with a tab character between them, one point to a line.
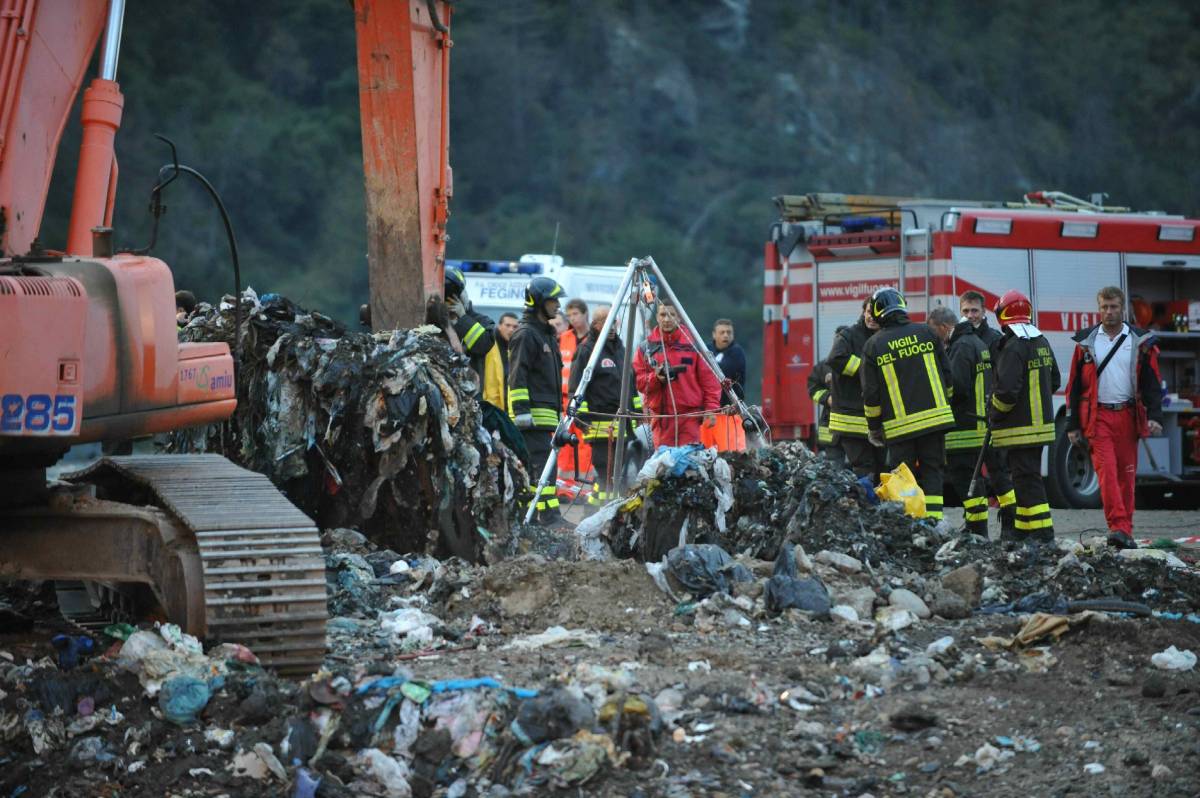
644	127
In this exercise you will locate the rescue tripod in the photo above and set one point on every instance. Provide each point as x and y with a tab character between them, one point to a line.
637	290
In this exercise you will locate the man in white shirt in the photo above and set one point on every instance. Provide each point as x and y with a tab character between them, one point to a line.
1113	399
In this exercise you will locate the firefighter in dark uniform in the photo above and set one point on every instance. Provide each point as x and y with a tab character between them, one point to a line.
906	395
846	419
475	331
819	381
601	400
535	384
971	377
1022	412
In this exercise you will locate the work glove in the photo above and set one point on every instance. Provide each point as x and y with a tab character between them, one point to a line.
524	421
875	438
456	308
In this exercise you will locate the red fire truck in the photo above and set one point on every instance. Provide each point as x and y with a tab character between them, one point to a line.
827	252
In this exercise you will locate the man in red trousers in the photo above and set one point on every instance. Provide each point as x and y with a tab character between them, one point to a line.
1113	400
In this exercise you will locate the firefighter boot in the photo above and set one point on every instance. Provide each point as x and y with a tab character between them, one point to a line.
1008	522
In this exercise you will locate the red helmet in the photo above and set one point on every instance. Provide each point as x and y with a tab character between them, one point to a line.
1014	308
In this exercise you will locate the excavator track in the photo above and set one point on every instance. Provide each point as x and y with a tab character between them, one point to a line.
261	559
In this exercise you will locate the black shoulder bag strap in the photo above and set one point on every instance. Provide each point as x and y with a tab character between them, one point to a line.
1109	356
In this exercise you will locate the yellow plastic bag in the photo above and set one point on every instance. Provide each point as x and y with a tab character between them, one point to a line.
899	485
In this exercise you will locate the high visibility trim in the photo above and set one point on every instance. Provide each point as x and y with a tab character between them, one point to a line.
926	419
976	516
1002	406
637	402
1040	523
978	501
1035	395
824	435
935	514
872	411
1023	436
1007	499
841	422
893	387
935	380
965	439
1036	509
518	394
929	499
473	335
980	402
852	366
820	395
583	408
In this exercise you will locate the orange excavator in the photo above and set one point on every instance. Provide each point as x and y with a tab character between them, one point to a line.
89	348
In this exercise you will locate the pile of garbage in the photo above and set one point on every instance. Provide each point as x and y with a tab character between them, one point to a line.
370	728
753	503
377	432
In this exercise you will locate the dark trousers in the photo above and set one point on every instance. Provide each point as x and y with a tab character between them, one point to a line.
539	442
603	490
1033	509
926	458
960	467
862	458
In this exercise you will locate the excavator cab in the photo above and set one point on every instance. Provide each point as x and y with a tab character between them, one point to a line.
89	351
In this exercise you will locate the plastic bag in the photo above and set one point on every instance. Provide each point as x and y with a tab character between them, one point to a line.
783	590
552	715
899	485
183	698
704	569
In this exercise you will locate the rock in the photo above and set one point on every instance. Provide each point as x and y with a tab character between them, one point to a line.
914	718
966	582
893	619
803	561
843	562
908	600
1119	679
1093	768
949	605
348	538
861	599
1135	759
844	613
1160	772
1155	686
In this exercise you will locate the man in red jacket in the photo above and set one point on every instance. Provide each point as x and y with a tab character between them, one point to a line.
675	382
1113	399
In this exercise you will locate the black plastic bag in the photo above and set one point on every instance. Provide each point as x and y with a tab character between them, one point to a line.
785	591
704	569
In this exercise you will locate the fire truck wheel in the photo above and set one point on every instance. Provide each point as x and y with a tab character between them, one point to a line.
1071	481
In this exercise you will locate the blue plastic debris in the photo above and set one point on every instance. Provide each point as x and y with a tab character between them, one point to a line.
70	647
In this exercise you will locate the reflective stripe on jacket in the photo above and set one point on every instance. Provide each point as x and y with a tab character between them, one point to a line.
603	394
905	381
535	372
818	390
971	378
1027	376
845	363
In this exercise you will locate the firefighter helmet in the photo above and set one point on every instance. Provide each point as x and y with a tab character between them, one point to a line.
1014	308
541	289
455	282
887	301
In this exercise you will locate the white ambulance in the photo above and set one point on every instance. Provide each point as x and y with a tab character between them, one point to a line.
497	287
827	252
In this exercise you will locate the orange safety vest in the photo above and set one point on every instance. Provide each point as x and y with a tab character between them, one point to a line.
568	344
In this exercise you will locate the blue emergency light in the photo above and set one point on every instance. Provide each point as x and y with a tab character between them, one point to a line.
496	266
858	224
